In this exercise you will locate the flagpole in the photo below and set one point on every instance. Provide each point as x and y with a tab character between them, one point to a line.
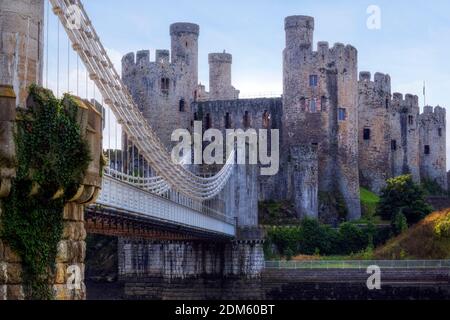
424	95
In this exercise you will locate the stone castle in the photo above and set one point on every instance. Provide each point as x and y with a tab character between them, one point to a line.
339	130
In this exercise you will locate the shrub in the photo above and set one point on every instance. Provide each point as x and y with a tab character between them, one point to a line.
286	239
442	228
316	237
403	195
399	224
351	239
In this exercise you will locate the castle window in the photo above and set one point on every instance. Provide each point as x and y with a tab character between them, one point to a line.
427	150
342	114
303	103
247	120
227	121
165	82
313	106
366	134
440	132
323	103
411	120
393	145
182	106
387	103
208	122
313	80
266	120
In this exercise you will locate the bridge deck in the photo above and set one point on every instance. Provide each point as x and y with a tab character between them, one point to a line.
129	200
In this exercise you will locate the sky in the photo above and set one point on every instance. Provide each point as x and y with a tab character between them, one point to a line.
411	45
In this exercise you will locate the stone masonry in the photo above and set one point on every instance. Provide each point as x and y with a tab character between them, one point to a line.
21	45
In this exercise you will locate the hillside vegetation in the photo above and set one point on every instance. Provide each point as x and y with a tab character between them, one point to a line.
428	239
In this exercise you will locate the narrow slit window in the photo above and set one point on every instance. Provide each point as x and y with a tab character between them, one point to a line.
427	150
366	134
266	120
182	106
411	120
208	121
247	121
393	145
227	121
440	132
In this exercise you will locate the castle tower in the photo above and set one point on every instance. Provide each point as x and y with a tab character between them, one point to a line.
320	99
21	45
374	130
432	131
405	135
184	41
220	87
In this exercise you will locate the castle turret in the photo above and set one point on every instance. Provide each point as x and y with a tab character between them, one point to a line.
374	130
220	87
184	39
299	31
432	131
405	135
21	45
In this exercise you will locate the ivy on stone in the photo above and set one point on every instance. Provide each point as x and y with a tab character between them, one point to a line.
52	157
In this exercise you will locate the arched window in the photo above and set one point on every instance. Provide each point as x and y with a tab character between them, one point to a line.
182	106
247	122
227	121
266	120
165	82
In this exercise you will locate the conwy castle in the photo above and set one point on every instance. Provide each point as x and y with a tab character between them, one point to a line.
339	130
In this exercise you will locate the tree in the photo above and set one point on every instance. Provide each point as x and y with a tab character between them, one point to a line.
401	194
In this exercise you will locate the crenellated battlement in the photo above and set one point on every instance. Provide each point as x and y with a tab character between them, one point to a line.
438	114
380	81
409	100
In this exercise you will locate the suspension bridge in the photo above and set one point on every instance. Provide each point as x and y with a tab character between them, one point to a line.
143	191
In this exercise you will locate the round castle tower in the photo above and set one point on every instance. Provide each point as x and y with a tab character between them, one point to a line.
220	87
184	43
299	31
21	47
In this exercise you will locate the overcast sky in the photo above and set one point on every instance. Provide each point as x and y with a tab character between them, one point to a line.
412	45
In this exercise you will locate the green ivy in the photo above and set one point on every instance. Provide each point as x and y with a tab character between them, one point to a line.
52	155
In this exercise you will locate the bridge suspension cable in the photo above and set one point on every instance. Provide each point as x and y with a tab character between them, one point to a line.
102	72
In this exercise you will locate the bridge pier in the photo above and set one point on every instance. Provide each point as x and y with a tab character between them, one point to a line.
191	269
68	281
